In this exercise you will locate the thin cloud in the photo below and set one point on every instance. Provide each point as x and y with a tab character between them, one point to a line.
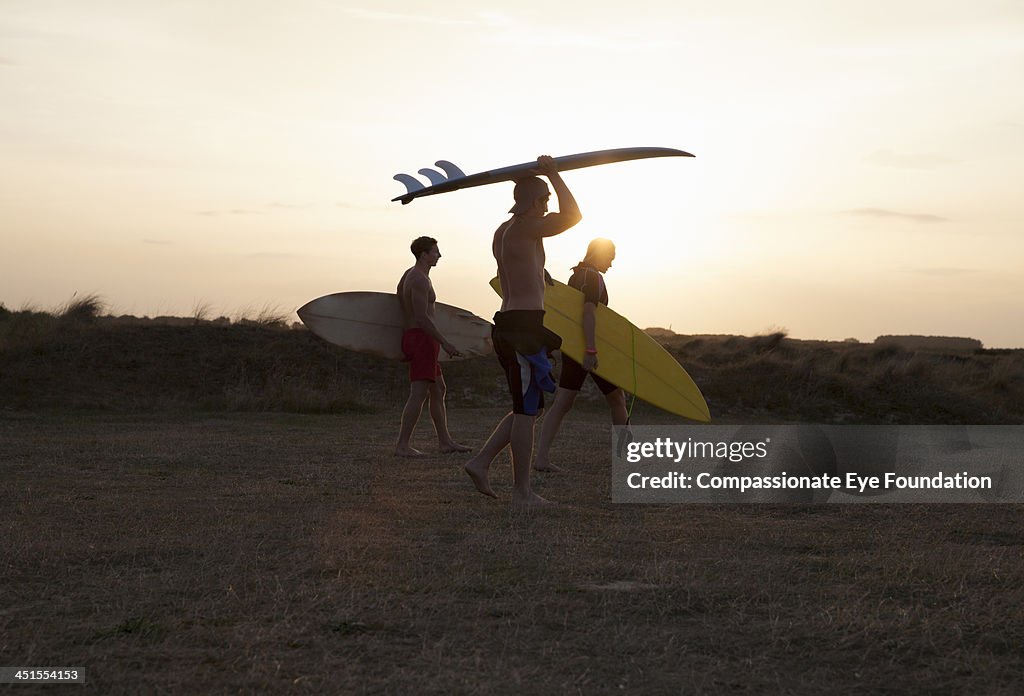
943	272
407	18
289	206
236	211
507	30
549	37
271	255
15	30
899	160
373	208
883	213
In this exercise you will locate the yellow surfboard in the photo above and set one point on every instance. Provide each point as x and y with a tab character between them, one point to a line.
627	357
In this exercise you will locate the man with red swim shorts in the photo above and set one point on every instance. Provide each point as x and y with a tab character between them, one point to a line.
519	337
421	352
421	344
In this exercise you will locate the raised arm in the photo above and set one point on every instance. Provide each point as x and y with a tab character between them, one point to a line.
568	210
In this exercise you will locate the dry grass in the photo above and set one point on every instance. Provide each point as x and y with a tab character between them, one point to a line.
166	363
777	377
287	554
81	309
162	547
202	310
267	316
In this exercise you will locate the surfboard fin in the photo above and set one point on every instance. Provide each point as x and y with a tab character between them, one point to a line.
435	176
450	169
412	184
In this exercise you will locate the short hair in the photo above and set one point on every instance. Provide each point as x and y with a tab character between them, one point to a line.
421	245
527	192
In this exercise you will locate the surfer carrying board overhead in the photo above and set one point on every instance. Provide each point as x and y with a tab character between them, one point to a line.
588	278
520	339
421	343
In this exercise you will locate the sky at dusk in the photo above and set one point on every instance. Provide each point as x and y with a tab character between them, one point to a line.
858	166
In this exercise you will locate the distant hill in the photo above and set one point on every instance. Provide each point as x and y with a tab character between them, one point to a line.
84	361
951	343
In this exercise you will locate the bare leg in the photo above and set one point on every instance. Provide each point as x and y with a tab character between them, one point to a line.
564	400
440	418
617	405
522	453
478	466
410	415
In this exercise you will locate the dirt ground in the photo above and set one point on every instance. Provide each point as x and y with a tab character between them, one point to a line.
292	554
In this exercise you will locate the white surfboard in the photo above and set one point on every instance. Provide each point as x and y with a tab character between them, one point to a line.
372	322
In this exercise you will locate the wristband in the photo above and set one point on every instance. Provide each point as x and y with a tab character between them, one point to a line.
591	351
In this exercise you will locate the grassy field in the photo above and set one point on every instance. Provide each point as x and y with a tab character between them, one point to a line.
248	553
211	507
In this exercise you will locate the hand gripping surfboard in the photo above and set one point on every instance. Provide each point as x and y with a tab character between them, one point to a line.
451	178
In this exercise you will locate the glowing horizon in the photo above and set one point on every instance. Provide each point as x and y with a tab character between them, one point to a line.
852	179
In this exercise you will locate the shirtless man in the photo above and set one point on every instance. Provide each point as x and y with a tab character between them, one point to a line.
421	343
520	339
588	278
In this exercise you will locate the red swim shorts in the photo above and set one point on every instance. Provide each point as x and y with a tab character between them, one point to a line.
421	351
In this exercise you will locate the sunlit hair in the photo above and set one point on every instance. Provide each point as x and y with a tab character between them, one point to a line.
599	248
421	245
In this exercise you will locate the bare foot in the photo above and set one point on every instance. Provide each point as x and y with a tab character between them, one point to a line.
453	446
409	452
531	500
477	471
548	466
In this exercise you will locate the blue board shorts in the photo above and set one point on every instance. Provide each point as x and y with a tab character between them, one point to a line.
523	345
